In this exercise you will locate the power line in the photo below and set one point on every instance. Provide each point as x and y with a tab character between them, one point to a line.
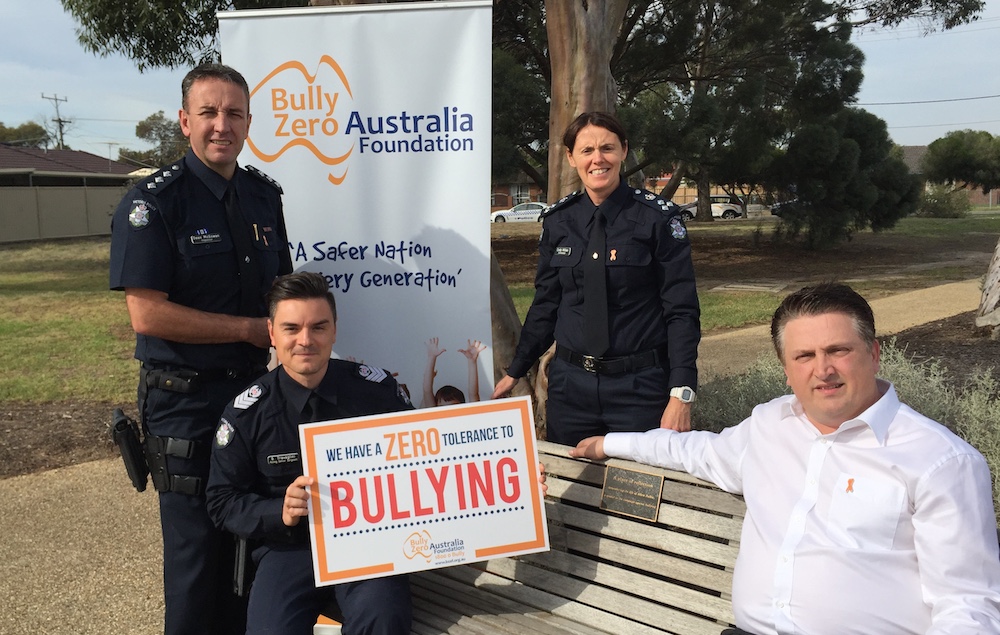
926	101
942	125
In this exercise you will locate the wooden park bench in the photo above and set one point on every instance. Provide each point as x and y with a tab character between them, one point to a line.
606	572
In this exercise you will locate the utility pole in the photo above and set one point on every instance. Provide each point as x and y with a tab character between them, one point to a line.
59	120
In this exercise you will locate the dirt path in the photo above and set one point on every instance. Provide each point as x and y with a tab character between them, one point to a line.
732	352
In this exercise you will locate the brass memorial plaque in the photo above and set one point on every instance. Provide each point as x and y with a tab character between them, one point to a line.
632	493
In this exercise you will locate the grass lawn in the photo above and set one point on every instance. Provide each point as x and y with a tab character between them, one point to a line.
67	337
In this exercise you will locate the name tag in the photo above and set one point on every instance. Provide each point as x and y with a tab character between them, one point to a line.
206	239
564	251
278	459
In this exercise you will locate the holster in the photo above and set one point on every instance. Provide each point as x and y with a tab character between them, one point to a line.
243	567
125	433
156	449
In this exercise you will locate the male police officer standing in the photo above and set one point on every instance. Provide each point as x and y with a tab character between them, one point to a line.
256	489
195	248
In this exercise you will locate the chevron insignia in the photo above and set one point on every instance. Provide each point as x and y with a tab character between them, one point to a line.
372	374
248	397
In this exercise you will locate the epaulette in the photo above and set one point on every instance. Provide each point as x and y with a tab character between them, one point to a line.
263	177
649	199
160	180
563	202
249	397
375	375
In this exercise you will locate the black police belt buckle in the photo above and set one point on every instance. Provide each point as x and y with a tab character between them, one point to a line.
611	365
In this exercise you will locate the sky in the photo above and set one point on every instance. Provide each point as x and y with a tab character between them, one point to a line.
106	97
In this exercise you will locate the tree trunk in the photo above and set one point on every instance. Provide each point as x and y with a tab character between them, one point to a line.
704	197
989	307
581	38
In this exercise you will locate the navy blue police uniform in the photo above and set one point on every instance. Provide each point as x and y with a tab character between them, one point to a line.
171	234
653	316
254	459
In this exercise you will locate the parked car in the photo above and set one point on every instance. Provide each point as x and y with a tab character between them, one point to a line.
531	211
723	206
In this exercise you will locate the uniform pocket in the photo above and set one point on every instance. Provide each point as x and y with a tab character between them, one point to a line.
629	256
864	511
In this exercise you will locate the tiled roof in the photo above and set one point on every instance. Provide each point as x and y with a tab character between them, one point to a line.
66	161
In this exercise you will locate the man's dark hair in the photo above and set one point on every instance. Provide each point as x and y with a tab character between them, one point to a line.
212	71
828	297
594	118
301	285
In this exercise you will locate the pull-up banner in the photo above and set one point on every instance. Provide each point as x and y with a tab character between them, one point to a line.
375	120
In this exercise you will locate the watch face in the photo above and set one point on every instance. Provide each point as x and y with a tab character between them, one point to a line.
685	394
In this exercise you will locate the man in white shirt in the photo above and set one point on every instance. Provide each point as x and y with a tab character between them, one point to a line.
863	516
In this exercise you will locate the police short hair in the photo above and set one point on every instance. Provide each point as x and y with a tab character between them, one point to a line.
594	118
301	285
212	71
828	297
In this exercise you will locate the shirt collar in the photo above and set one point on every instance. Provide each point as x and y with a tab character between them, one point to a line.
296	394
613	204
878	417
214	181
617	201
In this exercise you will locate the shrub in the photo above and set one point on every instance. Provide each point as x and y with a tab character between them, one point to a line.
941	201
969	410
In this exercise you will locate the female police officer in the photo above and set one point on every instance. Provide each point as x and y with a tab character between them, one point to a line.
615	290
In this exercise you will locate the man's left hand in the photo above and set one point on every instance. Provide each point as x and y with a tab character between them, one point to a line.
296	501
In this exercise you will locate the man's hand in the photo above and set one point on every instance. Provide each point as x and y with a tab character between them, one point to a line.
503	387
589	448
541	478
676	416
296	499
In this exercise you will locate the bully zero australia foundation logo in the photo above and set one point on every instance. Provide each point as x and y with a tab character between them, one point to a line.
421	544
294	108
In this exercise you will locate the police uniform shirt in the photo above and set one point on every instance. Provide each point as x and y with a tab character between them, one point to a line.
255	454
170	233
652	299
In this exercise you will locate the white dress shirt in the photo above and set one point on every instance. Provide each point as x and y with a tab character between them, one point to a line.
883	527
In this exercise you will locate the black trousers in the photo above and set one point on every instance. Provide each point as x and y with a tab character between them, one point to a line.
582	404
197	557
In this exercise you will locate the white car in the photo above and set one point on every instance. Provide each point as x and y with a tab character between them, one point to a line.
531	211
722	207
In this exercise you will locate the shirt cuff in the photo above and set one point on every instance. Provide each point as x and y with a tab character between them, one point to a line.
619	444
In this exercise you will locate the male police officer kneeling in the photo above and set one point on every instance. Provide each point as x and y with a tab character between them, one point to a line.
256	489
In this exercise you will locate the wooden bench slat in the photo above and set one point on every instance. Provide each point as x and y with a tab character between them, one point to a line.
538	596
655	563
610	602
625	529
482	606
721	527
622	580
